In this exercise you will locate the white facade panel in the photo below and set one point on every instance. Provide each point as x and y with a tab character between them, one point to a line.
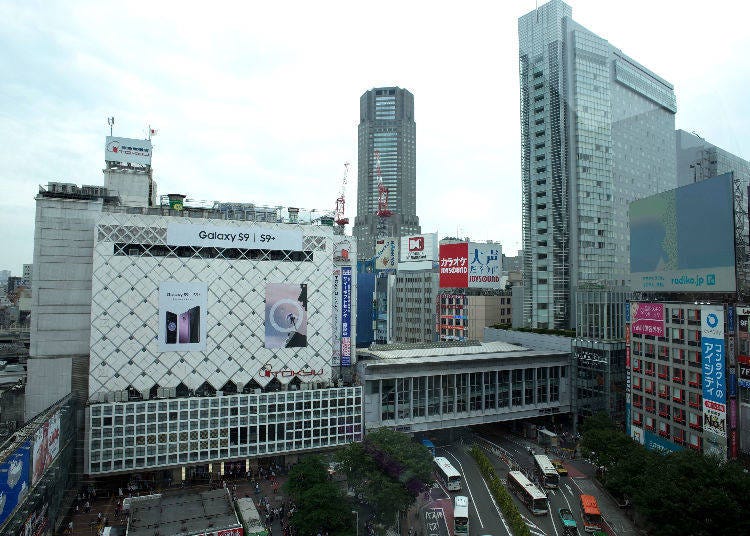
125	308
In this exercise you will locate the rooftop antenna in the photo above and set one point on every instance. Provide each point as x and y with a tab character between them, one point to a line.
110	122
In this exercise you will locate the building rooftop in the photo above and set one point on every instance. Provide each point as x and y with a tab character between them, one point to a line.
182	512
422	351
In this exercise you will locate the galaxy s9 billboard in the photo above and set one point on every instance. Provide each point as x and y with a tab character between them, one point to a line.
182	316
683	240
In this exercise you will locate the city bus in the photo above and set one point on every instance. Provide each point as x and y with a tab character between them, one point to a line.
427	443
546	471
531	496
592	516
447	474
461	516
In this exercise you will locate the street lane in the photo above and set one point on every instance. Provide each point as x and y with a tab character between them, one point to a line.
484	515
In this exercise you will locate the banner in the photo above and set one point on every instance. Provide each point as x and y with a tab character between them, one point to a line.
714	380
46	446
336	319
182	316
245	237
36	523
14	480
346	316
386	254
647	318
286	315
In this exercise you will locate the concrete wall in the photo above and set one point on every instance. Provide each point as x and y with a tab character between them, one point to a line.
47	381
61	282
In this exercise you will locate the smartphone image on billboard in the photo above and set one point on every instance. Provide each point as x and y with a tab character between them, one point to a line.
183	327
171	325
194	321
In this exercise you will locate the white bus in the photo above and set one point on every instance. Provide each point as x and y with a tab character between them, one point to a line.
534	498
447	474
461	516
546	471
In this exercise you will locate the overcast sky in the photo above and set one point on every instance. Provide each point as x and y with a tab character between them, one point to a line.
259	101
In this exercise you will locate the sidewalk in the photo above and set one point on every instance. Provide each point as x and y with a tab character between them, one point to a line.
87	523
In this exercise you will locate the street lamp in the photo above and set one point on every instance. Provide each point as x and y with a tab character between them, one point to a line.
356	513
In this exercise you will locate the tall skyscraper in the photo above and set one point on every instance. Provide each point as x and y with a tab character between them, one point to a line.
597	132
387	133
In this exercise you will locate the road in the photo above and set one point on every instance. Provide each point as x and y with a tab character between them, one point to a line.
565	496
484	514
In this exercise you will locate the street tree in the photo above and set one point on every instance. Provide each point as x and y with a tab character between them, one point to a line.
388	469
321	504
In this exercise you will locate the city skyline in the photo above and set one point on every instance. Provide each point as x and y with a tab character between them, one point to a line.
224	93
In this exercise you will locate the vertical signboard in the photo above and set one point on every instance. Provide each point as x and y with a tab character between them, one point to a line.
336	318
714	380
14	480
647	318
628	379
346	316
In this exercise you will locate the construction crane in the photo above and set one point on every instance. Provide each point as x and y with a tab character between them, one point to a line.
383	212
341	221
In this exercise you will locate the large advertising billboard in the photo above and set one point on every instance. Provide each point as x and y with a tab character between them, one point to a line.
245	237
683	240
14	480
418	248
346	316
470	265
182	316
386	254
647	318
127	151
714	380
46	446
286	315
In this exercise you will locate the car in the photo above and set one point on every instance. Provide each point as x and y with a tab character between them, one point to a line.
560	466
568	521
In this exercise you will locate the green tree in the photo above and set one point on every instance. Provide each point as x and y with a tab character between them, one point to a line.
389	469
321	505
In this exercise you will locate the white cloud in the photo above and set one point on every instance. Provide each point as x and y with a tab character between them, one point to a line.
260	101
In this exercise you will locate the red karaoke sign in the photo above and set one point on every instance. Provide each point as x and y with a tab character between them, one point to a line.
454	265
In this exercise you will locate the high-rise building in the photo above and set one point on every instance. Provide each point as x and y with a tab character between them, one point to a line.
597	132
387	136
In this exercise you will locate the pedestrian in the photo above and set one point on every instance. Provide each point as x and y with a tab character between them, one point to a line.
87	507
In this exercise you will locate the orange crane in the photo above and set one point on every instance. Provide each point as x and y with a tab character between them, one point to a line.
341	202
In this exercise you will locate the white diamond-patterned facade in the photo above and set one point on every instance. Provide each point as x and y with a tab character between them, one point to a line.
132	259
